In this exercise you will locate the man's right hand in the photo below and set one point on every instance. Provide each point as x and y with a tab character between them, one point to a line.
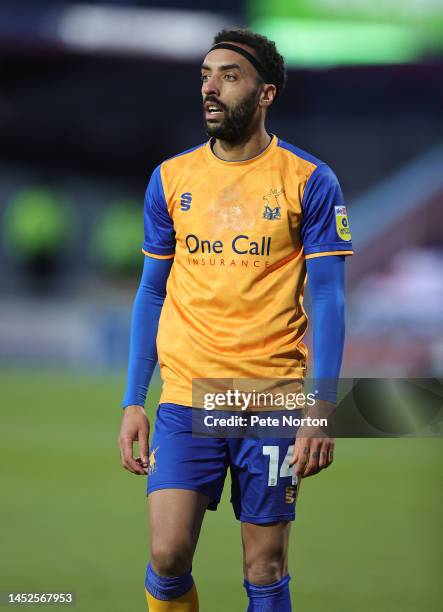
134	428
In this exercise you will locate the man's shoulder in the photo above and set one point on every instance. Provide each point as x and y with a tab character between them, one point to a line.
299	153
167	173
306	163
172	166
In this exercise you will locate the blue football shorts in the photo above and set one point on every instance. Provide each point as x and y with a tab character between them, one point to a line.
263	486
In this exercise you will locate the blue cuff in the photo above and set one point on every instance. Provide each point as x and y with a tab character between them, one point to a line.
167	588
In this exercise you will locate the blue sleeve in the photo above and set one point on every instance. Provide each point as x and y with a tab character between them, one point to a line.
159	228
326	277
144	324
325	226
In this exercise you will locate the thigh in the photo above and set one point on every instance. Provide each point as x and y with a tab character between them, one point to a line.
180	460
264	487
175	517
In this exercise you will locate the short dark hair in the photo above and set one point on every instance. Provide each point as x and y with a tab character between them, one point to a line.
265	51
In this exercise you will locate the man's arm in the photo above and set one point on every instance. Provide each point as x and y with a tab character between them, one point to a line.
144	325
142	360
326	277
326	283
159	248
326	241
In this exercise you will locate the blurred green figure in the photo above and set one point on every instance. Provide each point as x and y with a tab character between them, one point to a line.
37	225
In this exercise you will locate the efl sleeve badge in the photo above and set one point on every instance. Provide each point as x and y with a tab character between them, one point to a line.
342	223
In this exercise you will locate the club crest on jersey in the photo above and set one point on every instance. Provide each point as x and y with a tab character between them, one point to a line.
152	462
272	209
342	223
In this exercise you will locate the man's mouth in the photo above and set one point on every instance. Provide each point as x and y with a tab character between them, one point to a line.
213	111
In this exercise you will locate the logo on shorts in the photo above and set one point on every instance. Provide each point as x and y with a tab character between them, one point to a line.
272	208
342	223
290	494
152	464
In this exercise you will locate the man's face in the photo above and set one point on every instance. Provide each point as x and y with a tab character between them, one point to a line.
230	91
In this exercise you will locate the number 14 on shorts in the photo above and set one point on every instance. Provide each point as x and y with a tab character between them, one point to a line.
274	461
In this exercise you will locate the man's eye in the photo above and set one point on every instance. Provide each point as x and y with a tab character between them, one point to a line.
204	77
230	77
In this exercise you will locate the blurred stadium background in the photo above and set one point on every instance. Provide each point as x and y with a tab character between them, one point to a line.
92	97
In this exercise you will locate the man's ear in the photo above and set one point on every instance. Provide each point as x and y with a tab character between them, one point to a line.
268	95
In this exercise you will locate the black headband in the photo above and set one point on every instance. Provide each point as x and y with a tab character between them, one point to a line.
253	60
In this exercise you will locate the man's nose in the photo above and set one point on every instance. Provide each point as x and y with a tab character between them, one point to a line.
211	86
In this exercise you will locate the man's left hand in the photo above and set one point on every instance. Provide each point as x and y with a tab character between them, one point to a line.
312	455
314	446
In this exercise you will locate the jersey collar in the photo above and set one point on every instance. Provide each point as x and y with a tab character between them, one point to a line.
244	162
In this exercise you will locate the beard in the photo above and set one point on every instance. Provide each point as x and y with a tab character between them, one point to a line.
237	120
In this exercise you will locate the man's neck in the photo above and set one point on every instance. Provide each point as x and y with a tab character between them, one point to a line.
251	147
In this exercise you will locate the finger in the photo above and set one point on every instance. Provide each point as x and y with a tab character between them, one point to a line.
300	466
301	452
324	457
294	457
128	464
312	467
134	467
300	470
327	453
127	458
143	447
303	460
310	470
